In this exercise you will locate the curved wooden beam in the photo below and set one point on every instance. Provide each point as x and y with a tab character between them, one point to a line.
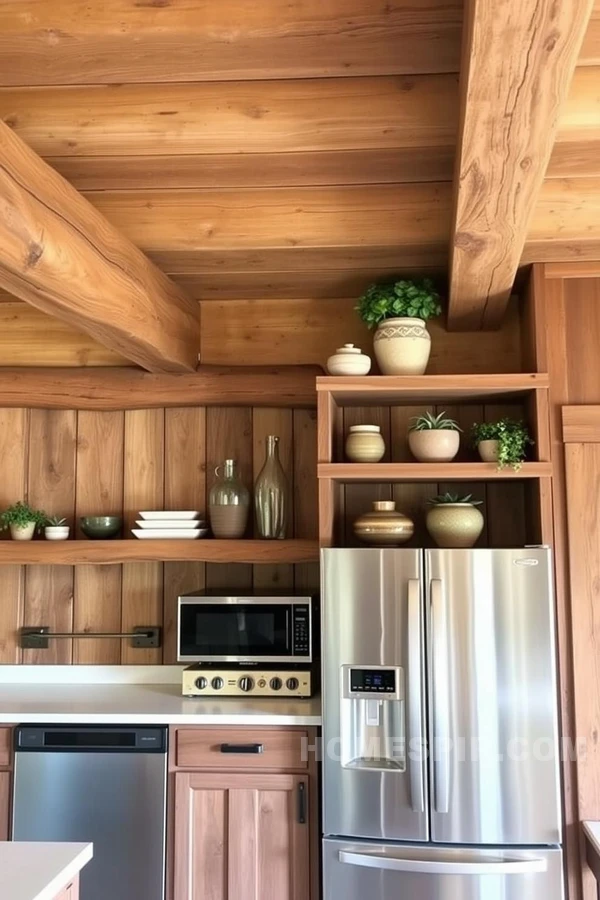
61	255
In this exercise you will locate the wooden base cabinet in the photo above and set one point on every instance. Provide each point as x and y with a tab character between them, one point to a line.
241	836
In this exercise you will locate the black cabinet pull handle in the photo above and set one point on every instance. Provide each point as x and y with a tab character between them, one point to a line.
302	803
242	748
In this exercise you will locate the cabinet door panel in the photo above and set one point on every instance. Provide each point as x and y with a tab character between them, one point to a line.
237	837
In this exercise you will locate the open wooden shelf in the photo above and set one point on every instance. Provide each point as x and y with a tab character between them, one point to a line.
390	390
387	472
74	553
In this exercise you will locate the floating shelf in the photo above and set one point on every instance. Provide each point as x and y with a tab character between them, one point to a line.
390	390
74	553
475	471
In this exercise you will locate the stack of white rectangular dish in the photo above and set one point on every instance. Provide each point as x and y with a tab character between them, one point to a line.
179	524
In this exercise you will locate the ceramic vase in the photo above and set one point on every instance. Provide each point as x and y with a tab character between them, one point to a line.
22	532
434	444
454	525
384	526
364	444
488	450
349	360
229	503
270	495
402	346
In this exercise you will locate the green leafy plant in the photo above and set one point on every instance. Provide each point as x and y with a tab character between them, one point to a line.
429	422
55	522
21	514
512	436
442	499
396	299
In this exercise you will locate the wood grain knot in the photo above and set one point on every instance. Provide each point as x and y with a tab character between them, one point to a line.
34	254
468	242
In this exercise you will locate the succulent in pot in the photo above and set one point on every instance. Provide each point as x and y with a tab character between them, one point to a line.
434	438
22	520
504	442
454	521
56	529
399	311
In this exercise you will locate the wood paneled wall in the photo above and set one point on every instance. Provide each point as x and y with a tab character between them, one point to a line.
260	332
73	464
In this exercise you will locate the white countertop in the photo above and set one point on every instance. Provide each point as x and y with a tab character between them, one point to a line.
143	704
39	871
592	832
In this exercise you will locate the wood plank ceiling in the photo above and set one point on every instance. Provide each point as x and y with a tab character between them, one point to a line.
276	150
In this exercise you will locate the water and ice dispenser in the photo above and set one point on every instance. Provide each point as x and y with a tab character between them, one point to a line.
372	714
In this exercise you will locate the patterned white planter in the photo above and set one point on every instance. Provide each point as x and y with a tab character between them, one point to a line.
402	346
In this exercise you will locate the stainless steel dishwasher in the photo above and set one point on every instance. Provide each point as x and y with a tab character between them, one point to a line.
102	784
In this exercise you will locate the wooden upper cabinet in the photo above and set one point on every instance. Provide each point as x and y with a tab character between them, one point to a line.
241	837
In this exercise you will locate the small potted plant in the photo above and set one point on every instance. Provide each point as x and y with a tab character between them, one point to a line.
22	521
454	521
56	529
399	311
433	438
503	442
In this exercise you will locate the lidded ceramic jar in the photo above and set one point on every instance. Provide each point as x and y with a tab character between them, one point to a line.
384	526
349	360
364	444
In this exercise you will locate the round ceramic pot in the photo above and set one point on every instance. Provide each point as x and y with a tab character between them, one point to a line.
488	450
56	532
402	346
364	444
384	526
22	532
349	360
456	525
434	444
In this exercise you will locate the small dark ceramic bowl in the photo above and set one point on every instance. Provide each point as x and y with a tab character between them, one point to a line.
101	527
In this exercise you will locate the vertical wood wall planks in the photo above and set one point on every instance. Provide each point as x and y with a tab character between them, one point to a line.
185	488
143	488
229	436
14	443
51	487
278	422
99	490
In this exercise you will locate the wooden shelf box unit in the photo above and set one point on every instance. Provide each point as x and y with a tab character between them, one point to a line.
516	505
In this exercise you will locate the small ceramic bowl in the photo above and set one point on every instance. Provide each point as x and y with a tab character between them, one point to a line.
101	527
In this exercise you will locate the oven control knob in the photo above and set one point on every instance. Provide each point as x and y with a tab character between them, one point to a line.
246	684
201	683
292	684
276	684
217	683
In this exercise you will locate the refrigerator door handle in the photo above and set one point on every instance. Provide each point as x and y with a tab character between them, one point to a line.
441	716
415	697
472	866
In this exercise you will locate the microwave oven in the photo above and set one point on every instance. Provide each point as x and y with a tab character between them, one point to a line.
246	628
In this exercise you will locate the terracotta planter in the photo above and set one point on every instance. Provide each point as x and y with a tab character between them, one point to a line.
488	450
384	526
364	444
456	525
434	444
22	533
402	346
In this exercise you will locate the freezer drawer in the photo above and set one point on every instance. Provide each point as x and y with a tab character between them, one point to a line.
359	870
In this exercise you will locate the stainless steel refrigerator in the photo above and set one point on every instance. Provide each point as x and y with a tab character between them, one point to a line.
440	733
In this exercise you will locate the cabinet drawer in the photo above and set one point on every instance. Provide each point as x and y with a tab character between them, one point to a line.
5	739
232	748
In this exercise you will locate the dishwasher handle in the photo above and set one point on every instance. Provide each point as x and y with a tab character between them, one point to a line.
90	738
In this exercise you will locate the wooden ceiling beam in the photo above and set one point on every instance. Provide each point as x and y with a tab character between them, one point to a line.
62	256
518	60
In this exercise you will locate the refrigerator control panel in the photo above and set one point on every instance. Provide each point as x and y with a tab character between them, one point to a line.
381	682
